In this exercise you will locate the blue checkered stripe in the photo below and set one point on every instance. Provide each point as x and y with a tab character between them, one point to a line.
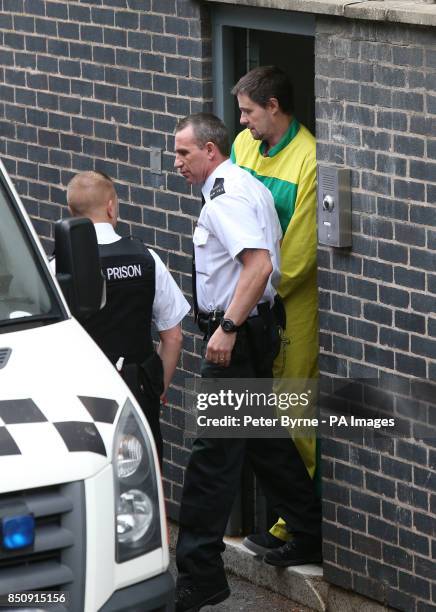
17	415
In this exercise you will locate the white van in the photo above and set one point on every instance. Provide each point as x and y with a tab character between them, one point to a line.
82	519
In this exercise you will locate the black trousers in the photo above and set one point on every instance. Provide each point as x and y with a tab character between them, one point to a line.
147	396
213	477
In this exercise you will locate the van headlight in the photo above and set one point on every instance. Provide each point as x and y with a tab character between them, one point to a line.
136	494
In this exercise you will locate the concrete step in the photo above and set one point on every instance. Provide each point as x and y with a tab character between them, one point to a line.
302	584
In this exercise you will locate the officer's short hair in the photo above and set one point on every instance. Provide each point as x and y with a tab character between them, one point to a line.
207	128
87	190
265	82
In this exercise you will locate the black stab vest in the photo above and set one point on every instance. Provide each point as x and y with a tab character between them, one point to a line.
123	327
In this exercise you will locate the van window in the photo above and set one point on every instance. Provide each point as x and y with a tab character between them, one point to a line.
26	297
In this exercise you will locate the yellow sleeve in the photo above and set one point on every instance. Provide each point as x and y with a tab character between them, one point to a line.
298	251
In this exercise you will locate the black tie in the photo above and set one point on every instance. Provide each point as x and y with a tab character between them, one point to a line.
194	275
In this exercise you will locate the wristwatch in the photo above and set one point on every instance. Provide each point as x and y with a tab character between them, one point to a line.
228	326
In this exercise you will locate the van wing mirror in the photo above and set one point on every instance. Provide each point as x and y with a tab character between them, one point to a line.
78	269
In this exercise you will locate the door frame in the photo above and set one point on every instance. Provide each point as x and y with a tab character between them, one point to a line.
225	17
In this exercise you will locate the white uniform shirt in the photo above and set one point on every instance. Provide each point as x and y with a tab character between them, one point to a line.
238	214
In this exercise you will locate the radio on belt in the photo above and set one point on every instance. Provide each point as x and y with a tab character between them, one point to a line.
334	206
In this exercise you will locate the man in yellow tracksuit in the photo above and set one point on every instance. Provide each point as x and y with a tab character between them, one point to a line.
281	153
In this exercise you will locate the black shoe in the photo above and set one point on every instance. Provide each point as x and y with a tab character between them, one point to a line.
191	598
298	551
261	543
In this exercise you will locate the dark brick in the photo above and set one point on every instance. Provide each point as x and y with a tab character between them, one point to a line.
362	288
397	556
411	451
409	278
336	493
374	96
383	573
391	77
394	339
131	59
423	346
358	370
410	365
394	297
115	76
423	259
16	114
16	41
367	546
425	215
188	47
117	38
351	560
389	120
377	270
380	485
392	252
333	323
425	523
103	55
391	165
397	514
423	170
414	585
379	141
359	115
409	321
36	117
367	586
337	576
333	533
333	365
348	474
408	190
424	567
363	330
421	124
407	100
410	234
376	183
60	158
406	145
379	314
67	29
128	20
113	112
345	346
150	61
331	281
25	96
365	458
91	33
23	24
396	469
392	209
364	502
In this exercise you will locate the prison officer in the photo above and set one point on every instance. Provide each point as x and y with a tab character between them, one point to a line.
237	271
140	290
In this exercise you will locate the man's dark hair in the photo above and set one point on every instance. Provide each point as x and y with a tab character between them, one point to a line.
265	82
207	128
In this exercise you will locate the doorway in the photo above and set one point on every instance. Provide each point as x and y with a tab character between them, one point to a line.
244	38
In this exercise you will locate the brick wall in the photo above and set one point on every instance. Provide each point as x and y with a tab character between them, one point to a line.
95	84
376	114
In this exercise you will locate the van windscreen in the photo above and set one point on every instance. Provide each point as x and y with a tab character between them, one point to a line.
25	294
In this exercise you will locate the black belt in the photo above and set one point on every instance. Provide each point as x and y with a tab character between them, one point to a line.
209	321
